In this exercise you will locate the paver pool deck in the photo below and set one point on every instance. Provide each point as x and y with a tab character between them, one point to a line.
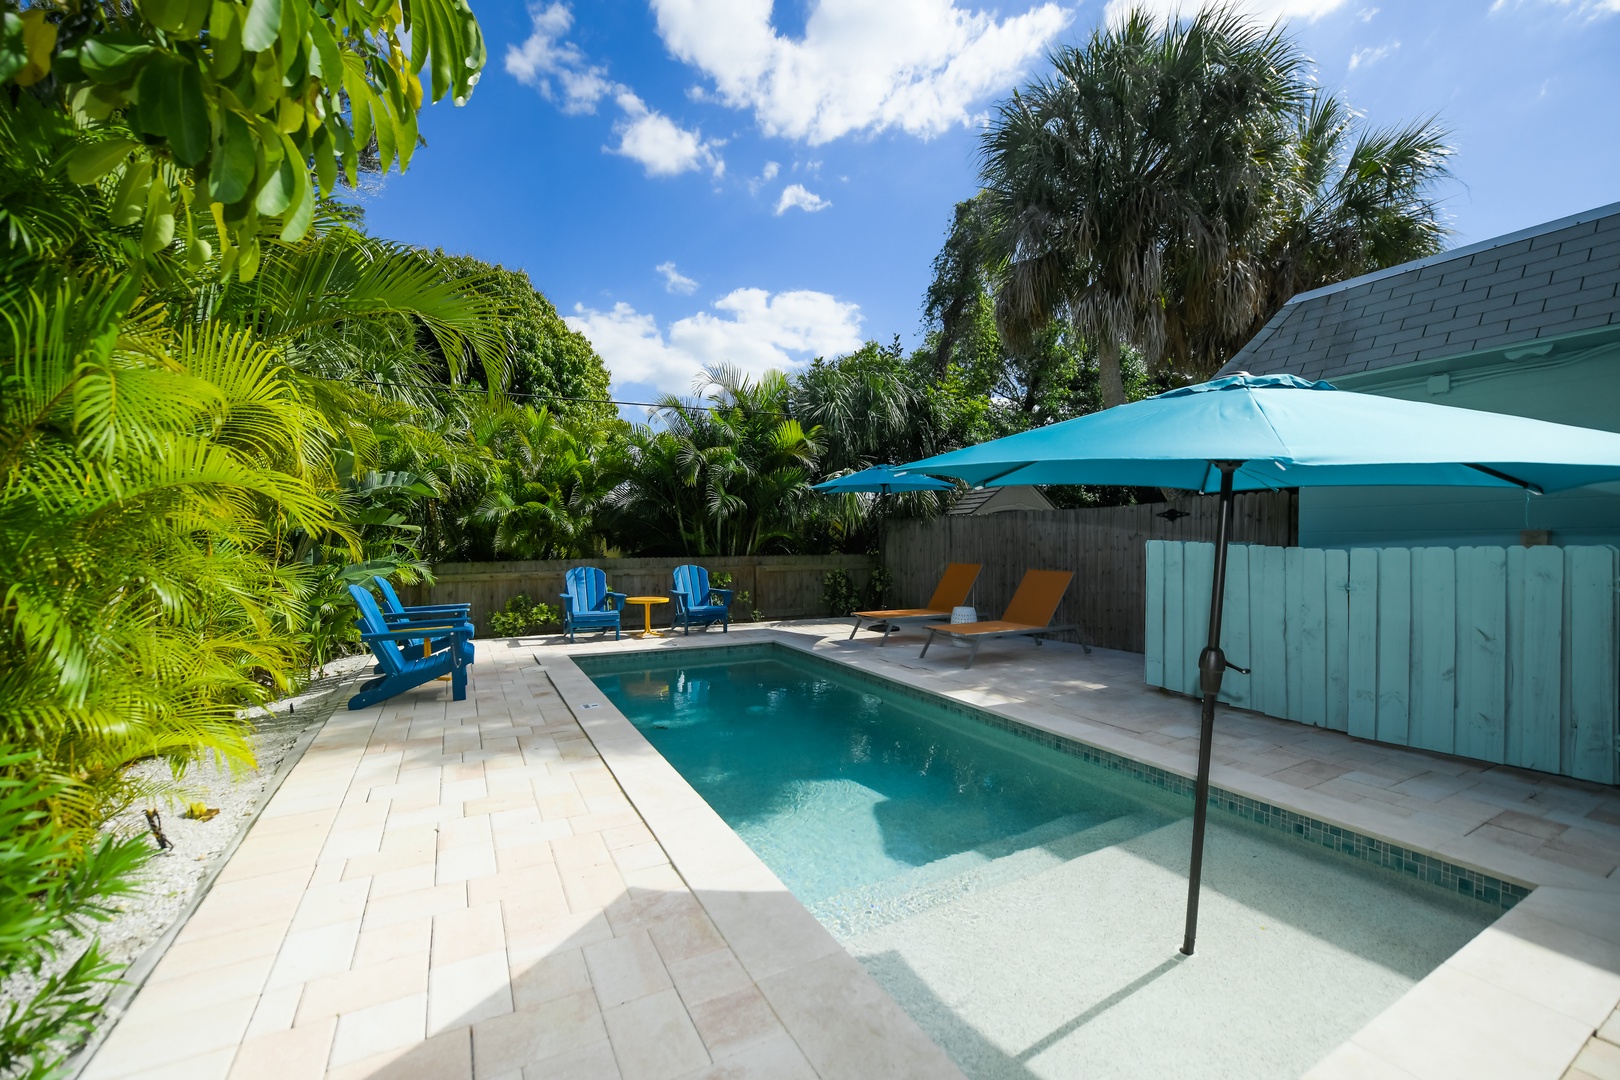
518	886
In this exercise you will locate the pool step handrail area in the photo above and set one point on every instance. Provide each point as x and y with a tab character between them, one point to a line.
1506	655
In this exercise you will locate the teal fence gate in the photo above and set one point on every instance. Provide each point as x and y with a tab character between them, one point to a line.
1507	655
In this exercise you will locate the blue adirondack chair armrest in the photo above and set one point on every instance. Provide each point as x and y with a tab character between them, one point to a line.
618	597
461	631
427	608
682	600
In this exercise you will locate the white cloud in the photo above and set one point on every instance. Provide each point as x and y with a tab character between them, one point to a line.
1270	10
1366	14
797	196
766	175
916	65
674	280
1592	9
749	328
663	147
557	68
563	74
1370	56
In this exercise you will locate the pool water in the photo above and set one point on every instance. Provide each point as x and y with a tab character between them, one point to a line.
857	801
1023	905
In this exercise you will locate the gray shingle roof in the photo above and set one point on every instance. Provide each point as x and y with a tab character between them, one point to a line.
1545	281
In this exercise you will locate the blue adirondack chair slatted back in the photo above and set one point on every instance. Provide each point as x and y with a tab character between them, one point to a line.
372	622
694	582
390	597
587	590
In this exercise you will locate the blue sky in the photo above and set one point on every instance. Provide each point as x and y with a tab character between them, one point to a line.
705	180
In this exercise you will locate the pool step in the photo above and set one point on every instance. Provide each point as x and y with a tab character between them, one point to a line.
861	910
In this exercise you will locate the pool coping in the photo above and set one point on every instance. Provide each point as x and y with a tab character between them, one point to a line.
845	1023
1518	1000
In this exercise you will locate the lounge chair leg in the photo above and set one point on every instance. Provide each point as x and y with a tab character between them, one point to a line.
927	643
973	653
853	632
888	628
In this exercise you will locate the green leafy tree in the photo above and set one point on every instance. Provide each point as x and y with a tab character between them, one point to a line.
211	120
1135	165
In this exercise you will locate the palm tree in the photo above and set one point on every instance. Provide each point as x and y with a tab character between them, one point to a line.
1138	164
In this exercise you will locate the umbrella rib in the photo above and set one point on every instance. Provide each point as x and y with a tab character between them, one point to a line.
1488	471
1005	472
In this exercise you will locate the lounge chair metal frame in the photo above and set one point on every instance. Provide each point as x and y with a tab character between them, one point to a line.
948	594
974	640
1029	614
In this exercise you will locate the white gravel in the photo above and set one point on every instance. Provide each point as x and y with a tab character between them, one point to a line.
169	879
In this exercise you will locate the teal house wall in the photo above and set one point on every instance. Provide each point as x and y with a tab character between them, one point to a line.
1526	324
1578	382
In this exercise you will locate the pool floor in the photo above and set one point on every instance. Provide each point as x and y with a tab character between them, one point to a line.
1026	907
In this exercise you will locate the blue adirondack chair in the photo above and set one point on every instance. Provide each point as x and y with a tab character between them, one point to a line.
589	604
400	662
398	616
694	600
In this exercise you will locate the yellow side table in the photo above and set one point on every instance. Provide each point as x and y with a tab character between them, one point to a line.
647	603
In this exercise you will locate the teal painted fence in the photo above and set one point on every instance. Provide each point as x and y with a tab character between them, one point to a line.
1507	655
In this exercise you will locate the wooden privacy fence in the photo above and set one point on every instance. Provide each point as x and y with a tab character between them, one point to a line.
1103	546
779	586
1502	654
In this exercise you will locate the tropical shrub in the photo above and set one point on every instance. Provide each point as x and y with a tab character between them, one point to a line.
52	894
838	593
523	616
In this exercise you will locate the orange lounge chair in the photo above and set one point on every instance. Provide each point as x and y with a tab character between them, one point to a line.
952	591
1028	614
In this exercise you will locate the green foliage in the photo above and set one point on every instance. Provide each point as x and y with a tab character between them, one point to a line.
222	124
1172	182
838	593
875	595
52	894
523	616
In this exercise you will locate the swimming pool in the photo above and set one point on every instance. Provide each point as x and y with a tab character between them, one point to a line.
1021	903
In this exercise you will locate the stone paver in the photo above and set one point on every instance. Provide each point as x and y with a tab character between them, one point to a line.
494	889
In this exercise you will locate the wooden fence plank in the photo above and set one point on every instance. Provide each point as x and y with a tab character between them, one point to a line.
1174	624
1271	661
1198	575
1293	619
1313	637
1336	573
1394	645
1434	649
1589	691
1536	735
1362	647
1235	627
1482	630
1153	617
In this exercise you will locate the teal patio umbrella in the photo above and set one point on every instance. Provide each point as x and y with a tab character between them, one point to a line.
881	480
1252	433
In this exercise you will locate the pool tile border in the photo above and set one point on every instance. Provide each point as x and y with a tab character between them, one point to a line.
1414	865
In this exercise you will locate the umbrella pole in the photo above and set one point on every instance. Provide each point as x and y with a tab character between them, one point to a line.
1211	668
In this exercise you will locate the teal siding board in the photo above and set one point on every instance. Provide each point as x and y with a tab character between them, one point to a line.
1363	644
1293	621
1198	566
1503	655
1434	649
1589	686
1481	661
1539	743
1153	620
1235	627
1336	599
1270	665
1394	645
